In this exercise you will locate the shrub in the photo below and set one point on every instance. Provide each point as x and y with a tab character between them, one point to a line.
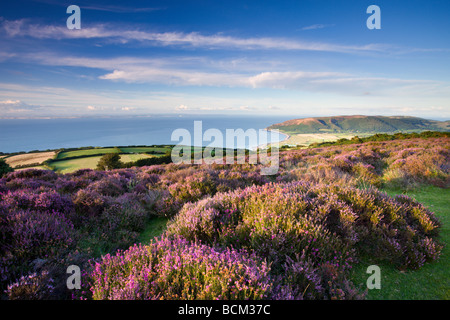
4	168
331	226
31	235
176	269
31	287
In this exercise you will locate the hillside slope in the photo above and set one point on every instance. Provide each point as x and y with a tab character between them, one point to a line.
359	123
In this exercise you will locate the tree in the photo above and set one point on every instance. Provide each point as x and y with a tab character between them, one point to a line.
4	168
109	161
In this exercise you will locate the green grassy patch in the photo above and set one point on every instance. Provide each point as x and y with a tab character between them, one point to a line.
87	152
133	157
432	281
68	166
155	227
144	149
72	165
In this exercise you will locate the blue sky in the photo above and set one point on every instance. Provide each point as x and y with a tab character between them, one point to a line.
299	58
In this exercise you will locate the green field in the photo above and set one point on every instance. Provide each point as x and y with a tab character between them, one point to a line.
87	152
72	165
432	281
101	151
133	157
67	166
144	149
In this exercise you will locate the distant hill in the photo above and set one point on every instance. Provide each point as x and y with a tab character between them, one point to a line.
360	124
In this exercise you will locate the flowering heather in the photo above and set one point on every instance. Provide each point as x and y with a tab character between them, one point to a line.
331	226
176	269
403	163
293	235
28	235
31	287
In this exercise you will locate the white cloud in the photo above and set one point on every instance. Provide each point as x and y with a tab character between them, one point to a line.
282	80
182	107
9	102
246	108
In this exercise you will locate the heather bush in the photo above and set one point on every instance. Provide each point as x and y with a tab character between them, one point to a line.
177	269
269	217
330	225
32	173
87	174
29	235
405	163
89	204
41	200
398	230
113	185
273	221
31	287
69	186
123	220
189	184
413	166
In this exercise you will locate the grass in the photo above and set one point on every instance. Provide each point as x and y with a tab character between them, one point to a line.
155	227
133	157
67	166
87	152
144	149
71	165
432	281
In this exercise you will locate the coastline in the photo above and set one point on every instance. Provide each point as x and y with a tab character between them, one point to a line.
266	145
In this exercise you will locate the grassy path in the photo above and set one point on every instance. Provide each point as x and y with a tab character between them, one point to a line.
155	227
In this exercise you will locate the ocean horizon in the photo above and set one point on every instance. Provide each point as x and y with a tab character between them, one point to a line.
24	135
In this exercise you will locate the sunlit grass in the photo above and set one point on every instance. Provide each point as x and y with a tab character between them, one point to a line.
72	165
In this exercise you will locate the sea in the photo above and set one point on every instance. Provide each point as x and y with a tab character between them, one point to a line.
25	135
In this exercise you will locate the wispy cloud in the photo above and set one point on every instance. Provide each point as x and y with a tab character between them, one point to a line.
119	9
183	71
24	28
317	26
87	5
